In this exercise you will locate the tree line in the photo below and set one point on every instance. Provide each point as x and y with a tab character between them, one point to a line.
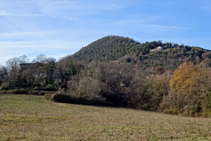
185	90
174	80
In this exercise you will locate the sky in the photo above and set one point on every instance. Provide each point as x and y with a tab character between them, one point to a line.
58	28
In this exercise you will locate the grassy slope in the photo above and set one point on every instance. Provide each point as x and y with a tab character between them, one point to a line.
24	117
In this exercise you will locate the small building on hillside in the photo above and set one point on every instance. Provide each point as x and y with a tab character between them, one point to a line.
159	48
24	66
37	69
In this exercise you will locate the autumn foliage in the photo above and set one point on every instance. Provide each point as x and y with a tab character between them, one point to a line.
183	77
190	91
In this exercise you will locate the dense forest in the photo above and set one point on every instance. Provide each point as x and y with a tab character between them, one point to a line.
119	71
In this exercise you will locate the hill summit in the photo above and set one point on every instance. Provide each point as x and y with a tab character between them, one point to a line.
109	48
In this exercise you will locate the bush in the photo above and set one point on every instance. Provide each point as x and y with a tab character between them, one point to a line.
3	91
42	92
86	88
34	92
66	98
5	86
17	91
48	96
37	88
50	88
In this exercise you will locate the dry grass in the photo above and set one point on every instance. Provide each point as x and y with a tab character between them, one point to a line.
32	118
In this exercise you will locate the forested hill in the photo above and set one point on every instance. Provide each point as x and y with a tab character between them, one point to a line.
109	48
114	47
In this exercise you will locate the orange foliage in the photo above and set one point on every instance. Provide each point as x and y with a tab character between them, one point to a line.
182	77
190	92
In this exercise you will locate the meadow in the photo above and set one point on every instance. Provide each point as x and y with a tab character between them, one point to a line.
32	118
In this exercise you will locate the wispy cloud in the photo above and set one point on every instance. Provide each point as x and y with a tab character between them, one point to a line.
4	13
67	9
74	8
150	24
52	43
55	49
27	35
78	5
206	5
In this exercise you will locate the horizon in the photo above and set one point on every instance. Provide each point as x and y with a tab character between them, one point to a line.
62	27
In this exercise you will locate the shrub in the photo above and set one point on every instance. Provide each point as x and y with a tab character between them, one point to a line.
42	92
66	98
3	91
87	88
33	92
37	88
48	96
5	86
14	91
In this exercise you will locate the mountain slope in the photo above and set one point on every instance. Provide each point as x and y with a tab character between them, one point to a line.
123	49
109	48
114	47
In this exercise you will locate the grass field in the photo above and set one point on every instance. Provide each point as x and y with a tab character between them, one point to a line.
32	118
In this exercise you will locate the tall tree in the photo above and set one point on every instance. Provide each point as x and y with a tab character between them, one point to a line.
40	58
23	59
13	68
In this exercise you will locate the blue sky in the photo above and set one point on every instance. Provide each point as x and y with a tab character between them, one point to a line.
58	28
